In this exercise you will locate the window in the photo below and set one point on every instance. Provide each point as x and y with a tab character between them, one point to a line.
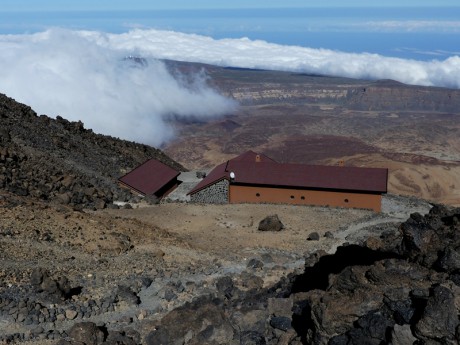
257	194
346	200
302	198
292	196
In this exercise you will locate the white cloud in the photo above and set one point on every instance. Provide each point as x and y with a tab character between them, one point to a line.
438	53
260	54
411	26
59	72
81	75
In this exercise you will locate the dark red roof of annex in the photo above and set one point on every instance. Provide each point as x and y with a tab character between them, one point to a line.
310	176
149	177
267	172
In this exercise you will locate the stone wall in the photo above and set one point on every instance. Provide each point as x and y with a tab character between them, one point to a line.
216	193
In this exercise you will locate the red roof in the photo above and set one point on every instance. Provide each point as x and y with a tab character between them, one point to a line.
268	173
310	176
252	156
149	177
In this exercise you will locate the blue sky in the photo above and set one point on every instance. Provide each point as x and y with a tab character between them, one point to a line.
416	29
409	15
188	4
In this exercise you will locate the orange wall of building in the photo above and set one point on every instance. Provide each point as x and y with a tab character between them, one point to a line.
243	194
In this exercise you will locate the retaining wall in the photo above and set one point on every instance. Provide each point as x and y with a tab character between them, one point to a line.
216	193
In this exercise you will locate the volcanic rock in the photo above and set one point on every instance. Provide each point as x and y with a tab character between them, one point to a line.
53	290
402	335
255	264
202	322
314	236
86	333
224	285
400	292
127	296
120	338
281	322
440	316
71	314
271	223
252	338
251	281
280	306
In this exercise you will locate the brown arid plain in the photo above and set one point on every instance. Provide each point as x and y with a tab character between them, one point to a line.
296	118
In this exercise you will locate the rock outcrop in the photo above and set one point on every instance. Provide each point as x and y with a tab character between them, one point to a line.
61	161
403	291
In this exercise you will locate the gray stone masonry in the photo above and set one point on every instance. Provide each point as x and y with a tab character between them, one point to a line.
216	193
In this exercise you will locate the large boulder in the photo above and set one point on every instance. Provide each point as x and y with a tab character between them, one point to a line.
202	322
440	317
449	259
52	289
418	240
86	333
225	286
126	296
402	335
271	223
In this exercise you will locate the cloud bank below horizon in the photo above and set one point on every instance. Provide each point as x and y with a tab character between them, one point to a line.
248	53
60	72
83	75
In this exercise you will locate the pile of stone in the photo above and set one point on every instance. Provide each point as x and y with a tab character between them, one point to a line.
35	310
47	303
50	308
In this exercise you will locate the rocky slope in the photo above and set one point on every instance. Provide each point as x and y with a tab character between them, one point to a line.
54	159
122	270
399	284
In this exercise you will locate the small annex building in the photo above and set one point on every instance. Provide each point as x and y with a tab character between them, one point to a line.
152	178
256	178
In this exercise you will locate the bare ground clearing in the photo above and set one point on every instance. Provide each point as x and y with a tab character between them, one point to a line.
230	232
